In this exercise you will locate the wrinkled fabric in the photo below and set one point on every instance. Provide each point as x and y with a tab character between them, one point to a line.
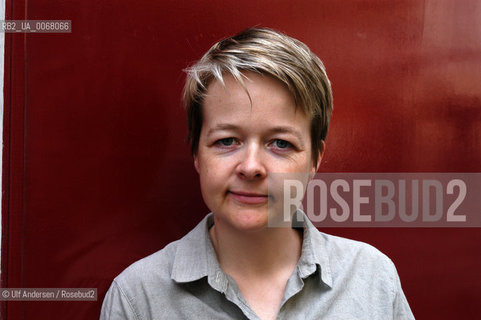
335	278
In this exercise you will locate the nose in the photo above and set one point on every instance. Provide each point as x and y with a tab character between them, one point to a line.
251	164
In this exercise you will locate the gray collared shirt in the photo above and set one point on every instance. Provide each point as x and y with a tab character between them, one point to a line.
335	278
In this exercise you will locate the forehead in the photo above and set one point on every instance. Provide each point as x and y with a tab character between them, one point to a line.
263	103
259	91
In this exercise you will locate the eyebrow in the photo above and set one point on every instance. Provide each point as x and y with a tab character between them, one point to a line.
278	129
222	126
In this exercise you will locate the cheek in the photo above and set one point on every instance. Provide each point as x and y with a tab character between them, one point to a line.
297	163
212	180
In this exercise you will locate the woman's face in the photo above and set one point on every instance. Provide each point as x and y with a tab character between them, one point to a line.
240	144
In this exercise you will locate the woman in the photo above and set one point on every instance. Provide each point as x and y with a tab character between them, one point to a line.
257	103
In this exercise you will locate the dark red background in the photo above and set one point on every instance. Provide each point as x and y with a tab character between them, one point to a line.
96	172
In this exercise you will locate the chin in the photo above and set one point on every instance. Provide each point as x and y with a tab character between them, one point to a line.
248	220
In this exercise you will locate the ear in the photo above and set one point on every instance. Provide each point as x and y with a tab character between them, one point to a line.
196	163
316	166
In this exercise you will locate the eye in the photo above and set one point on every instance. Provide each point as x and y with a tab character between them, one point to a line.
282	144
225	142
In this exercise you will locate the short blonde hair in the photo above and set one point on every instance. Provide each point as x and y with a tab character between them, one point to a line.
264	51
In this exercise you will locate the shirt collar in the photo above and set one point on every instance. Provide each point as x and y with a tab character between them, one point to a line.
190	260
314	250
195	257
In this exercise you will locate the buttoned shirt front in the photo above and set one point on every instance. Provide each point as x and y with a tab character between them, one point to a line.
335	278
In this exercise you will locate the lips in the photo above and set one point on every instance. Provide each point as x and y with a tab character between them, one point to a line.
249	197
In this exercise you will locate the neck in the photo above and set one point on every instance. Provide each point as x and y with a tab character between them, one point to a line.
261	253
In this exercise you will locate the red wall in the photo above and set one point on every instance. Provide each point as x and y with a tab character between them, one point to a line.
97	173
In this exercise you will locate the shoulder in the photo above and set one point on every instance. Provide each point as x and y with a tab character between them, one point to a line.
359	261
166	264
363	279
148	288
339	247
155	267
133	290
369	275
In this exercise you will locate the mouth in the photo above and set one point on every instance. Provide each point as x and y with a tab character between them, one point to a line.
249	197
